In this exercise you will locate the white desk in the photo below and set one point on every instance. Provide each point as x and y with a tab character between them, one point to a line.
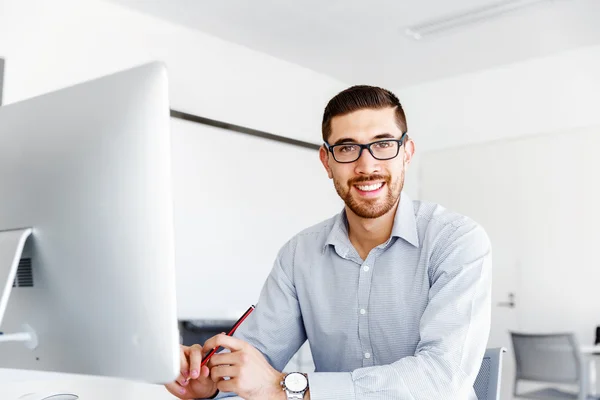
589	366
14	383
88	388
590	350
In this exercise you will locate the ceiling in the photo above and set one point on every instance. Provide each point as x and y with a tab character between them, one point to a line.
363	42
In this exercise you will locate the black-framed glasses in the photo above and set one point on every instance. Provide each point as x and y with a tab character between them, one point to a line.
384	149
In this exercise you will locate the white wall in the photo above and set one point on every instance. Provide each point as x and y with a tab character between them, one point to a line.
556	93
54	44
231	221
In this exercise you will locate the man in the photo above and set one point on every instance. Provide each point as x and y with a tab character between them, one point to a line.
392	294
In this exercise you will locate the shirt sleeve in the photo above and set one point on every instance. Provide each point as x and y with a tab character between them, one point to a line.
275	327
454	330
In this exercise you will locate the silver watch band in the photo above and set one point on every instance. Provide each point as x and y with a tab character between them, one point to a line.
294	396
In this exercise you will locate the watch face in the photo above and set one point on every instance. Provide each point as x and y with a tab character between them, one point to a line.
296	382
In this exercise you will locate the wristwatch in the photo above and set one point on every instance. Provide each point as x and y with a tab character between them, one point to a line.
295	385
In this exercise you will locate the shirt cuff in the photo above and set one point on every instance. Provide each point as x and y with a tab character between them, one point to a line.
223	395
331	386
218	395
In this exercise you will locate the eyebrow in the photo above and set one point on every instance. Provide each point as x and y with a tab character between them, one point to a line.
380	136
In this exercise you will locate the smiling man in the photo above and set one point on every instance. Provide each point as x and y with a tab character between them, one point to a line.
392	294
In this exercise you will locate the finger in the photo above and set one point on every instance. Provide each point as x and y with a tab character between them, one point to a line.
176	390
231	343
208	345
222	371
223	359
205	371
181	380
229	385
183	362
185	349
195	360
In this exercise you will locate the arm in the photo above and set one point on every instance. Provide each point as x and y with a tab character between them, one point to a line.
275	328
454	330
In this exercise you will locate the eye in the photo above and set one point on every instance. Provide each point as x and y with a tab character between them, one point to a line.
347	148
384	145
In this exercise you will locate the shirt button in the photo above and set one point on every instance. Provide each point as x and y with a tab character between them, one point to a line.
366	268
363	311
367	355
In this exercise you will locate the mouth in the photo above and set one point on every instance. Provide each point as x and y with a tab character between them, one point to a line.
369	189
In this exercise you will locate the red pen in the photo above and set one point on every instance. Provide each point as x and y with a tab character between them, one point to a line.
231	331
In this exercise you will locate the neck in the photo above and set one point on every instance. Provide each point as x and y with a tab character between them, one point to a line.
368	233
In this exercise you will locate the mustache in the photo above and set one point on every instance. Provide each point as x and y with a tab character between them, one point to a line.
367	178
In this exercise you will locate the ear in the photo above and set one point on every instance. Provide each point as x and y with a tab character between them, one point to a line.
409	151
324	156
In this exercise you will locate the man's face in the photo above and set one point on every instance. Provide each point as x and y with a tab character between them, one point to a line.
369	187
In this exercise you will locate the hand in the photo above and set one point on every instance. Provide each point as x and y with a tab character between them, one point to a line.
193	382
250	375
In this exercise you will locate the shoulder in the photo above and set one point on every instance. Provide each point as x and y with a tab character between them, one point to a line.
442	229
312	238
305	246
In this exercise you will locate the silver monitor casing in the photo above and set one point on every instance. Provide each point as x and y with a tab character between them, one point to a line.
88	168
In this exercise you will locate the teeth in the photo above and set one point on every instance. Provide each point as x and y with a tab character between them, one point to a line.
370	188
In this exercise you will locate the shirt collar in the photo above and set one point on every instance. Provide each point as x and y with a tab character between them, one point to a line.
405	225
338	236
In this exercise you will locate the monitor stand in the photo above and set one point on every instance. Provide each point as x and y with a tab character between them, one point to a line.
11	248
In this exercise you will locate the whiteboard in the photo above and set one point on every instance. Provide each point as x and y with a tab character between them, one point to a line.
237	200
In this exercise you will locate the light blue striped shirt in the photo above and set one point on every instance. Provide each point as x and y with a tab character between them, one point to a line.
409	322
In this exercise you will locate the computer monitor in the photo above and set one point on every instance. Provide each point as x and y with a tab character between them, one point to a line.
88	170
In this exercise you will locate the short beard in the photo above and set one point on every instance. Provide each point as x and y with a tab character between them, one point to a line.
371	208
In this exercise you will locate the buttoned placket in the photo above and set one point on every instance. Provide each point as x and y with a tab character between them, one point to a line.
364	292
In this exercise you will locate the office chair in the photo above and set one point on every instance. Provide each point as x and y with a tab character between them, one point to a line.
549	358
487	383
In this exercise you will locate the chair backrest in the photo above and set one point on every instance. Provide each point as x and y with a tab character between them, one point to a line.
546	357
487	383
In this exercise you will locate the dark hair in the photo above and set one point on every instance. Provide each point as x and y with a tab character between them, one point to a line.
361	97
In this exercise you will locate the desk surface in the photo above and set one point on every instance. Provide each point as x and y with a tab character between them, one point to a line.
593	350
88	389
15	383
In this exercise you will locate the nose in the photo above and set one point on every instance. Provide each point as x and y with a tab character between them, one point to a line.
367	164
